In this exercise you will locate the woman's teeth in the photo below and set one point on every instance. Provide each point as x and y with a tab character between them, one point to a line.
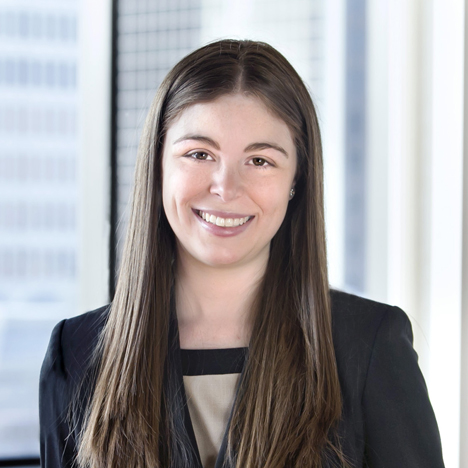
223	222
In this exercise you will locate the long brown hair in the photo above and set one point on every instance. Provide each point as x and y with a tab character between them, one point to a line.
289	399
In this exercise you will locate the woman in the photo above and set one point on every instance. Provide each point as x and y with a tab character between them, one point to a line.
223	345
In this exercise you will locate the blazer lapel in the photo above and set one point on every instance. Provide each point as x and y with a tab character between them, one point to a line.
175	350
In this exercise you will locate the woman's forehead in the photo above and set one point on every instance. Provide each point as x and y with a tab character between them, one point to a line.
246	115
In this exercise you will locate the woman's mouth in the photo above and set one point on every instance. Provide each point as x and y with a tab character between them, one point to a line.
223	222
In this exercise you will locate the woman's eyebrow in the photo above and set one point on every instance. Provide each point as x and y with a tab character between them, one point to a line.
265	145
252	147
201	138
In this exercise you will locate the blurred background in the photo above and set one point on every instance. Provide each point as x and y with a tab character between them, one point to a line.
388	79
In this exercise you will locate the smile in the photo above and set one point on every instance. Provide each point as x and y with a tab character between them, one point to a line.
223	222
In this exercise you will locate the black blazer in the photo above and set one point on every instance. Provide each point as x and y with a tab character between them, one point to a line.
387	421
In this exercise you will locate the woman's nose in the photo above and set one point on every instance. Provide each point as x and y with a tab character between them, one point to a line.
226	183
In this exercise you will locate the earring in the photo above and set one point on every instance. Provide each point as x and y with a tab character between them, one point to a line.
291	193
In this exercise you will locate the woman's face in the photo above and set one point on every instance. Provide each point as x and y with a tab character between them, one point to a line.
228	166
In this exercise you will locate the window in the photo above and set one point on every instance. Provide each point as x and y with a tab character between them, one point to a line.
38	200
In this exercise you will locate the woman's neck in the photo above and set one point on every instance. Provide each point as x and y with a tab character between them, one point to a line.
214	305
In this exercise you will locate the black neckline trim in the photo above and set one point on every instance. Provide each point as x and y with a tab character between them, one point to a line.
213	361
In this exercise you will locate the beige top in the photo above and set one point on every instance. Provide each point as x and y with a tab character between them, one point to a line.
210	399
211	378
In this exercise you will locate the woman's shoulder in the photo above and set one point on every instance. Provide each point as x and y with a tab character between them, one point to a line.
363	331
65	365
360	324
352	313
73	341
87	325
385	399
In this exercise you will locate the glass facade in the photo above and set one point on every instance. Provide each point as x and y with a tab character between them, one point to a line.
38	198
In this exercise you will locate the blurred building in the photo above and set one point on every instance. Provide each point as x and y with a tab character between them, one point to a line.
38	196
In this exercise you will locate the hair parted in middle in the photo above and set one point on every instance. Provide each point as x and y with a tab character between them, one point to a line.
289	399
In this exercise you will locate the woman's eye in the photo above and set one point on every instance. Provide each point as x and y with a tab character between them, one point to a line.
199	155
259	162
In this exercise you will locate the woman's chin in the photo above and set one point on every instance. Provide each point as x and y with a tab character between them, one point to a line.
222	257
222	260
